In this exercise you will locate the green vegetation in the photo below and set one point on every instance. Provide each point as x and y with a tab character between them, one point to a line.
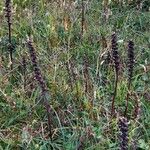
72	40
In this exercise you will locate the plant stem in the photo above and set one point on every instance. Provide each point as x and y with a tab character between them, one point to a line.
114	95
82	21
127	99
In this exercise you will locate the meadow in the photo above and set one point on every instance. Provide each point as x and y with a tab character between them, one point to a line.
74	75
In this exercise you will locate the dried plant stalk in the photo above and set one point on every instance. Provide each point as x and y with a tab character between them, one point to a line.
86	74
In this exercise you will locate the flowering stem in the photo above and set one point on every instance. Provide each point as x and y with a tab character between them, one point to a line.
42	84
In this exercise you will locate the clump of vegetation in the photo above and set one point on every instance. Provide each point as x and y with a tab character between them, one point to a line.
86	86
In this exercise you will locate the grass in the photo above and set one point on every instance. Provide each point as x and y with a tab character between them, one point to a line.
80	116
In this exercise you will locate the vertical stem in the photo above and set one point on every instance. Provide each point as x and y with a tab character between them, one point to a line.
24	70
116	67
8	16
9	26
114	95
42	84
10	46
127	99
130	71
48	110
86	73
83	19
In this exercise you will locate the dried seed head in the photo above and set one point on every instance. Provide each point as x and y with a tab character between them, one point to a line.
36	68
115	54
123	136
130	59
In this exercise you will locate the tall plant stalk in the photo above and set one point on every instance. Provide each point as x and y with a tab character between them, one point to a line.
115	56
8	15
130	71
86	74
42	84
82	19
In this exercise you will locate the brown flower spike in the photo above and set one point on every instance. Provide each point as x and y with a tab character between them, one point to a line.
130	70
115	56
123	136
42	84
8	15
